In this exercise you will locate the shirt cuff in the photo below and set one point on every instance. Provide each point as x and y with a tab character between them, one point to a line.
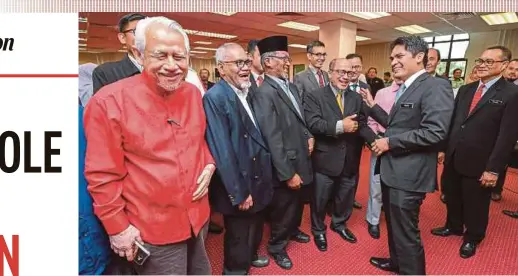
339	127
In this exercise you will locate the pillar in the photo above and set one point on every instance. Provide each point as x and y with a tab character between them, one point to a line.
339	36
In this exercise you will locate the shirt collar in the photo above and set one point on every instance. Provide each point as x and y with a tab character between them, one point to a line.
336	90
257	76
412	78
489	83
238	91
135	62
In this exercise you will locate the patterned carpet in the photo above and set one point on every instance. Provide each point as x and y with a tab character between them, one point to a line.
496	255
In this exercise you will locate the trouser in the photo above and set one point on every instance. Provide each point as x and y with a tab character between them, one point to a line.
339	190
404	238
305	197
183	258
119	266
374	204
243	234
283	211
467	204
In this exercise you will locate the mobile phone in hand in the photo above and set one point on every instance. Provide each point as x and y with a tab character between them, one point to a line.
142	254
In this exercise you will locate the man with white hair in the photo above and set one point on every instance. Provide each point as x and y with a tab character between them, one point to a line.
148	165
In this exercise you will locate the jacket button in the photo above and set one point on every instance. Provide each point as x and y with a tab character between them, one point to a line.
253	158
306	132
462	126
256	177
246	135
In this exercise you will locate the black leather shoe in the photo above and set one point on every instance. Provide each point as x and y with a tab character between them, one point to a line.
260	261
320	241
374	230
513	214
357	205
443	198
384	264
445	232
283	260
214	228
301	237
346	234
468	249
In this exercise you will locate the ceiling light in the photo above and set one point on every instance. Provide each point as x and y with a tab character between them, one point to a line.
361	38
203	48
369	15
82	31
198	52
82	39
299	26
82	45
203	42
83	19
216	35
298	46
122	51
225	13
413	29
500	18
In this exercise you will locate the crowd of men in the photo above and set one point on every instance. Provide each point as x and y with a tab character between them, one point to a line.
163	149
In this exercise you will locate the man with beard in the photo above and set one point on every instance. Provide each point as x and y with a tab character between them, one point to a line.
511	73
147	164
281	120
204	77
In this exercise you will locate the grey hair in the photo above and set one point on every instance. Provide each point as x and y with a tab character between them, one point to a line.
143	25
222	51
267	55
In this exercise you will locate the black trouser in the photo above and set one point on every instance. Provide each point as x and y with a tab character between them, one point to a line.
337	190
500	182
304	198
283	211
243	234
467	204
404	238
119	266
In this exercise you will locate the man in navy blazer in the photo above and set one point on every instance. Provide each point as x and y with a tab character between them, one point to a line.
242	188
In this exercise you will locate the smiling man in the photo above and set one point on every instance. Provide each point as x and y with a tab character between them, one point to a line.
148	165
314	77
417	124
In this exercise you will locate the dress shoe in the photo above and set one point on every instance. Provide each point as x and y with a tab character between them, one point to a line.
357	205
283	260
346	234
300	236
496	197
513	214
384	264
260	261
468	249
443	198
320	241
374	230
445	232
214	228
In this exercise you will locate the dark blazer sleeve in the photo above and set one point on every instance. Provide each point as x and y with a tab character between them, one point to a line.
436	108
219	141
314	119
377	113
443	146
363	129
269	122
298	83
98	78
506	138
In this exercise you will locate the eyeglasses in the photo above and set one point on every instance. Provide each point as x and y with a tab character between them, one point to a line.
239	63
128	31
344	72
489	62
283	58
319	55
357	67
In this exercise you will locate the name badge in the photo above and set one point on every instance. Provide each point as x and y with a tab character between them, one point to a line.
407	105
496	102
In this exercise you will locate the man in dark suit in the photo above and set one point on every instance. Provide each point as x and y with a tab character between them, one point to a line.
482	136
281	119
111	72
257	72
334	115
204	77
243	186
314	77
355	84
434	58
416	126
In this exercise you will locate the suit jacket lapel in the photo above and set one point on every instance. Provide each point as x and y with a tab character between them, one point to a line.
490	93
252	82
406	94
331	101
285	97
312	77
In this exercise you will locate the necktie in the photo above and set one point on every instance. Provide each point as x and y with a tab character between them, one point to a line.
291	97
400	92
259	80
320	78
476	98
354	87
339	101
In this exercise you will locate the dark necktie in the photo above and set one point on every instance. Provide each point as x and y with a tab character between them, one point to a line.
320	78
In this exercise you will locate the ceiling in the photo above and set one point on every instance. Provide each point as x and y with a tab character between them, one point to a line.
101	28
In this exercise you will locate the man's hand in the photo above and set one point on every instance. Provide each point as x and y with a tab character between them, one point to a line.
203	182
247	204
488	179
440	158
123	243
380	146
350	125
367	97
294	182
311	144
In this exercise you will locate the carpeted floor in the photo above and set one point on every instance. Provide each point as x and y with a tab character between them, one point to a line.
497	254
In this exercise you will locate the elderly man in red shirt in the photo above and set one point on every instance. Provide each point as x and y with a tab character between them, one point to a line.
148	165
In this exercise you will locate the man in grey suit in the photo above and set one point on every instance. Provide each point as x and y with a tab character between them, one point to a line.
314	77
416	126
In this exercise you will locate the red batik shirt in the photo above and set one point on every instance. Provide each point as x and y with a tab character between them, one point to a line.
142	169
